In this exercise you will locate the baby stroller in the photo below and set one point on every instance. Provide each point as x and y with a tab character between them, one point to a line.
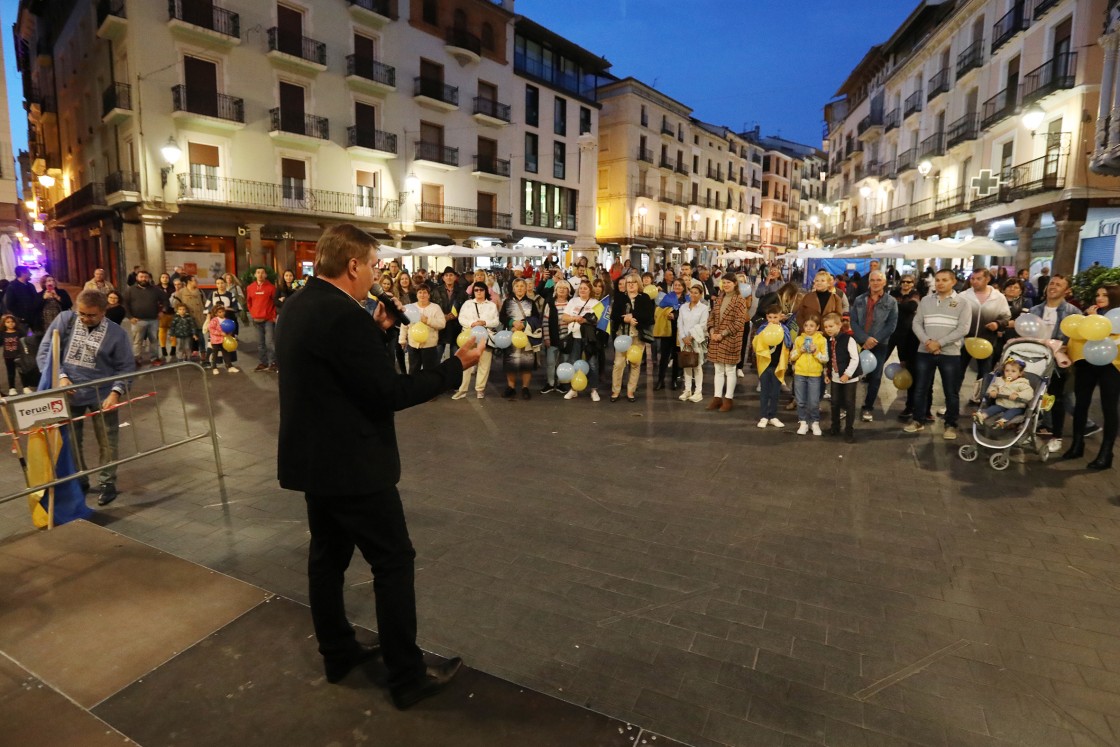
1021	430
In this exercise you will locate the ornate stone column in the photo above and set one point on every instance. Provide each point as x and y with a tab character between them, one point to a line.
584	245
1026	224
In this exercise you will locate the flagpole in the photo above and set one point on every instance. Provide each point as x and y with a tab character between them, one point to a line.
54	385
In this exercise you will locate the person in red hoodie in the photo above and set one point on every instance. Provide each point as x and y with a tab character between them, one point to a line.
260	297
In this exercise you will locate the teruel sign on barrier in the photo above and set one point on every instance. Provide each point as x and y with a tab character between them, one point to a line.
33	411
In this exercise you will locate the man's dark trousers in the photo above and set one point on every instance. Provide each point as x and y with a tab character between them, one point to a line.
375	524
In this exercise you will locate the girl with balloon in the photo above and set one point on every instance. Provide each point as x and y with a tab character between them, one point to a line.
222	327
479	318
1096	363
581	316
521	325
420	337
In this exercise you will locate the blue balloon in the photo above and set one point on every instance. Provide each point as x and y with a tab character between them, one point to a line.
503	339
412	314
1114	316
582	366
892	370
622	343
565	372
744	290
868	361
1101	352
228	326
480	334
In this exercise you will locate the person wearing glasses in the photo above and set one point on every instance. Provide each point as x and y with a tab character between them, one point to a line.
903	338
91	347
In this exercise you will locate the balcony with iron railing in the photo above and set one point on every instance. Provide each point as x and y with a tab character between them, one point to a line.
305	125
904	161
368	74
971	58
647	192
1056	74
756	183
950	202
284	198
665	163
964	129
716	173
1039	175
204	22
458	216
872	122
301	49
891	120
1015	20
1042	7
116	103
491	165
667	129
437	153
897	216
185	101
913	104
494	111
1000	107
377	11
932	146
436	92
112	21
121	181
938	84
645	154
681	169
921	210
88	198
461	39
371	139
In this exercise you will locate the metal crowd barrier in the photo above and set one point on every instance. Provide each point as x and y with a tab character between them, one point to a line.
144	385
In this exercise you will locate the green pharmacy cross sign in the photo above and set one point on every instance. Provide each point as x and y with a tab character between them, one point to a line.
986	183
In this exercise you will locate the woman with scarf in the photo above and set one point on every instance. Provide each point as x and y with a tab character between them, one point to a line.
726	319
665	332
519	314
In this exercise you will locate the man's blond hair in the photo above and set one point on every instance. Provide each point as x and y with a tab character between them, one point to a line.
338	245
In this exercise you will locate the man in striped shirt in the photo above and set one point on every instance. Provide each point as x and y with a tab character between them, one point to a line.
941	323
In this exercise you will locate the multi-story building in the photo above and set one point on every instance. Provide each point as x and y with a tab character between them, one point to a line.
11	245
188	133
975	115
671	188
791	192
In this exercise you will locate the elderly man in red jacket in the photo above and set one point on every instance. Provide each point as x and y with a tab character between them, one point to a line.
260	297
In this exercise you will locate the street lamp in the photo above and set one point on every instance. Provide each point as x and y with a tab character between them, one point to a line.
1032	117
925	167
170	152
412	182
865	191
46	180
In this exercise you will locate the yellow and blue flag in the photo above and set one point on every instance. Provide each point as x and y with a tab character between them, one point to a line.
69	500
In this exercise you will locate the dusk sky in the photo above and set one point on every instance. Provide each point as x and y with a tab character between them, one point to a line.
734	62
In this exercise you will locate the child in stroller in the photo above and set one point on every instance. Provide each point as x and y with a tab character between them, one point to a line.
1011	392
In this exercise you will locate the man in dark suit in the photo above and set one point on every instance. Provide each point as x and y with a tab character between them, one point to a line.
338	394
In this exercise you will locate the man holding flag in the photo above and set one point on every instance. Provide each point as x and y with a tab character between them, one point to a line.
91	347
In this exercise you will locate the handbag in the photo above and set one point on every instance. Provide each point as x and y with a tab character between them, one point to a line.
688	358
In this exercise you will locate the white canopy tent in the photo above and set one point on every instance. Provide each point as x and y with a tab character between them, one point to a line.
983	246
741	254
922	249
812	252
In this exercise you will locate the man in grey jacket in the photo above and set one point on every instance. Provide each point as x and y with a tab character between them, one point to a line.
940	324
142	304
874	315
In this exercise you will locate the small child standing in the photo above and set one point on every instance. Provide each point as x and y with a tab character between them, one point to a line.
843	371
809	356
1012	393
11	336
218	314
184	332
772	361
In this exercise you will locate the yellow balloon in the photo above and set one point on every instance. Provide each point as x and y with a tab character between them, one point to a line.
1095	327
903	380
463	337
979	348
418	333
229	343
651	291
772	335
634	354
1071	326
579	381
520	340
1076	350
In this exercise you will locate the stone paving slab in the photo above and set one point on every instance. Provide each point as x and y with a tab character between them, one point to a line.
714	582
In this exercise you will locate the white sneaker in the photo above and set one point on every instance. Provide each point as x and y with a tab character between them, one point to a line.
480	395
763	423
802	428
11	391
214	370
816	428
572	394
758	387
594	395
234	369
28	390
777	423
698	397
1055	445
827	395
684	396
458	395
739	373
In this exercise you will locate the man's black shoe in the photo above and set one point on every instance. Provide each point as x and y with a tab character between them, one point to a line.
339	668
83	483
435	680
1092	429
107	495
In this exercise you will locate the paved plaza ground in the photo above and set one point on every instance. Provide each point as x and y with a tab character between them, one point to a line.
691	574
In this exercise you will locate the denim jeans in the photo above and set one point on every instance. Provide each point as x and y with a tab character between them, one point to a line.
265	350
145	329
807	390
881	351
951	373
771	389
551	360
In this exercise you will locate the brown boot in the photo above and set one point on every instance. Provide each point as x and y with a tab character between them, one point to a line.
715	403
726	406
